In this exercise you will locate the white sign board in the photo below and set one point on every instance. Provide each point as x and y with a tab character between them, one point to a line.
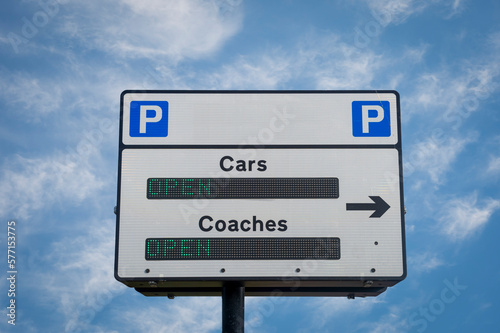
263	187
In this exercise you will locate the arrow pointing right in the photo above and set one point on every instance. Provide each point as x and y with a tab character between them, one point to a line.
379	206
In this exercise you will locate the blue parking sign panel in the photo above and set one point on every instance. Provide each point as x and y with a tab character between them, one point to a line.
148	119
371	118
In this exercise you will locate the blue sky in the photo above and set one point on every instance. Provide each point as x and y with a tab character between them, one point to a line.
63	65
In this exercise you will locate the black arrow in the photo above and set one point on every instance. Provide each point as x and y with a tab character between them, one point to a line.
379	206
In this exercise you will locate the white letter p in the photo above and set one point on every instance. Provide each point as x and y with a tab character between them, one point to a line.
143	119
365	109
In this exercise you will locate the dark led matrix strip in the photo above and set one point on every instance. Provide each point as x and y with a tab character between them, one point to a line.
243	188
324	248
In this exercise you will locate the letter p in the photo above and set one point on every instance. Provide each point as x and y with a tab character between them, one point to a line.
365	116
143	118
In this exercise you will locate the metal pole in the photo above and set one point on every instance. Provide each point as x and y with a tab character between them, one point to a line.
233	308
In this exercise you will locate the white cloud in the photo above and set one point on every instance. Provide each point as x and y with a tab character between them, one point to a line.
161	76
29	95
334	64
76	89
77	275
464	217
454	92
30	184
424	262
456	7
317	61
155	28
355	71
415	54
265	71
390	317
201	314
398	11
326	309
454	95
395	11
392	322
494	40
434	156
494	165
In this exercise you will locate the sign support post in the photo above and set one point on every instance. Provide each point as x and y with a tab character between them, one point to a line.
233	307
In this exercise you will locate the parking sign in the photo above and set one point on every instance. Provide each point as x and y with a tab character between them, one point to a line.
262	187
